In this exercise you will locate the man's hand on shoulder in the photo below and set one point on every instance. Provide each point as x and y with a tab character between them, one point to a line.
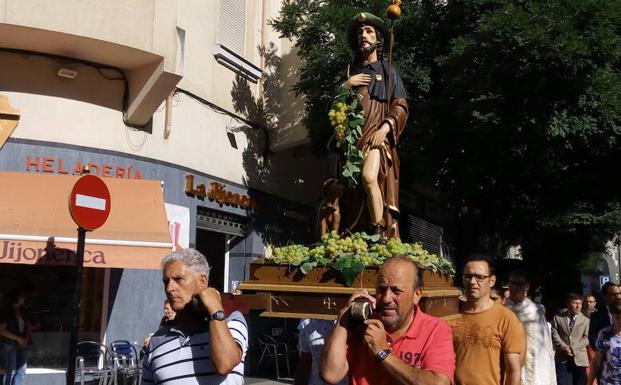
211	299
375	336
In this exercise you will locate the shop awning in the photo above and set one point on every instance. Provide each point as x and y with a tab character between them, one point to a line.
36	226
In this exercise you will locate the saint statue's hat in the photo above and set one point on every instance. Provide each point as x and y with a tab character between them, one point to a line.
364	18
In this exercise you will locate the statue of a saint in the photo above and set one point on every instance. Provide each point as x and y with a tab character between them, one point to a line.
380	90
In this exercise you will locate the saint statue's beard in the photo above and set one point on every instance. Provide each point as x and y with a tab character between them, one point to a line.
365	49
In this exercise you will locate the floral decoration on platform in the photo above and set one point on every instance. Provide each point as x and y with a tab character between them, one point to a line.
351	254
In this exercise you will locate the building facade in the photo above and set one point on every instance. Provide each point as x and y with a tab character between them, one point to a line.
193	94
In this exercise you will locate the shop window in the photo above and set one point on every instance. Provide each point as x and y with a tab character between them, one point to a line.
48	308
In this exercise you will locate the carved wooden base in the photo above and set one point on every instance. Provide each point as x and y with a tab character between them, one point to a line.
283	274
282	292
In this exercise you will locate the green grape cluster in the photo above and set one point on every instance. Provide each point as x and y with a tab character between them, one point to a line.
331	235
361	248
317	252
292	254
396	247
335	246
370	259
380	250
338	119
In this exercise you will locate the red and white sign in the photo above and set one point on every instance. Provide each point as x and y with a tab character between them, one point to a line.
89	202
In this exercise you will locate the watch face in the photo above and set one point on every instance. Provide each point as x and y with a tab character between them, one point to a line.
218	316
382	355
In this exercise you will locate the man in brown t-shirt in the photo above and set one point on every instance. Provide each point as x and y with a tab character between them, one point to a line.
488	338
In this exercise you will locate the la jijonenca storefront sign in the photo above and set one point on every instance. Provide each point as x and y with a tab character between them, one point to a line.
15	252
53	165
217	192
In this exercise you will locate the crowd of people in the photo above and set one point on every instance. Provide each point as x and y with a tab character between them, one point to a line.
493	340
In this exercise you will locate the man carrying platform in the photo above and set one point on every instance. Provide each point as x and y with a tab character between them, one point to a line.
398	344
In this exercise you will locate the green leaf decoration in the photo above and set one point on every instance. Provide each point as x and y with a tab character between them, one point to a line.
374	237
308	266
347	118
354	104
323	261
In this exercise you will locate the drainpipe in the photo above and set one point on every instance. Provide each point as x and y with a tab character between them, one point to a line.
168	116
263	46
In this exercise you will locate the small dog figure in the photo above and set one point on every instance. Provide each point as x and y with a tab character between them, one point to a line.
329	217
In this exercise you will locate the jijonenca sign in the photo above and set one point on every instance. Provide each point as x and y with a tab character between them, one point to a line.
58	166
217	192
14	252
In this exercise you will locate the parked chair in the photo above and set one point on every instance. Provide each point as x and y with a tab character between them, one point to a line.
93	363
272	348
126	359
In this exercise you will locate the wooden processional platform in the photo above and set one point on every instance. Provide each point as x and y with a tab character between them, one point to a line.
279	291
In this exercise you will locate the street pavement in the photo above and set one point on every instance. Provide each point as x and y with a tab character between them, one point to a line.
267	381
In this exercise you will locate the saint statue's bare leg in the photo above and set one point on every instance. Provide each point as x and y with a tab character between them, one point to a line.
370	172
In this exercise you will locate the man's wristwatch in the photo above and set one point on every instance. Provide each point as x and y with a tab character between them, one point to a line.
382	355
217	316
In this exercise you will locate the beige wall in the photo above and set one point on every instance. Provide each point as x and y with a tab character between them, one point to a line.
130	23
86	111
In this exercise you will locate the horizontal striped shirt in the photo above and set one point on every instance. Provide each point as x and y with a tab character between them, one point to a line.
174	359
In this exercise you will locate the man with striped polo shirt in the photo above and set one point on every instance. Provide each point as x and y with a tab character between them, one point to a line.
202	345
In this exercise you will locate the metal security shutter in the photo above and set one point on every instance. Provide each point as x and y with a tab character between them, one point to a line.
220	222
232	25
428	234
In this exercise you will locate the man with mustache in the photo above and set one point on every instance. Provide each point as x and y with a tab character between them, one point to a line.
201	345
381	92
399	345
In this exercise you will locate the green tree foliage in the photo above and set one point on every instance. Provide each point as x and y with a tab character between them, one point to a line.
515	107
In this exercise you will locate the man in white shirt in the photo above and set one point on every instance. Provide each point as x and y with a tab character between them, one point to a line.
313	334
538	366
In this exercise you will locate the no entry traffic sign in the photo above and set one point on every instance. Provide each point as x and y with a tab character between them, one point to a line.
89	202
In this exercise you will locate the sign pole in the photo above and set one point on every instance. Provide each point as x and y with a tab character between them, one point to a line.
89	205
77	296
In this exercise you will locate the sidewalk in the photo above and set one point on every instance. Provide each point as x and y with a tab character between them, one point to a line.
267	381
